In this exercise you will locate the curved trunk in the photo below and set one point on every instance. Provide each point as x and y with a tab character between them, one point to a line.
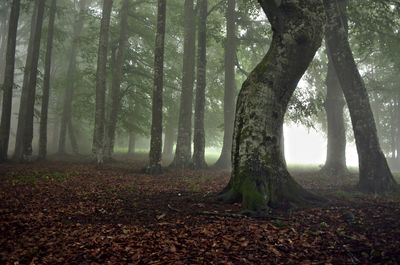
183	151
375	175
224	161
335	164
8	80
46	83
260	178
154	166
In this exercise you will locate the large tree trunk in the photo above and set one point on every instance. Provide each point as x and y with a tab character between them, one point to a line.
116	80
199	141
183	151
335	164
99	118
375	175
260	178
154	166
70	77
46	83
23	141
224	161
8	80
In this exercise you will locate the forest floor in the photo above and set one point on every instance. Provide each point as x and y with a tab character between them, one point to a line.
72	212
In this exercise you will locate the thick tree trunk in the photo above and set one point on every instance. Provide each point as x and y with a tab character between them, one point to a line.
70	77
199	141
154	166
183	152
132	143
23	142
169	139
99	119
8	80
116	80
224	161
260	178
46	83
335	164
375	175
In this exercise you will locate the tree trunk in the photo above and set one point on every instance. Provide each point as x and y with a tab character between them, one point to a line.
70	77
224	161
72	138
132	143
183	152
335	164
8	80
3	48
154	166
170	134
116	79
46	83
260	178
23	141
199	142
98	134
375	175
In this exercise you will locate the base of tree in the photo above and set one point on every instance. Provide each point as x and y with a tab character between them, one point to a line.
334	170
200	165
153	169
223	163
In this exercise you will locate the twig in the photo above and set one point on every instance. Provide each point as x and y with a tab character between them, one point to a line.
173	209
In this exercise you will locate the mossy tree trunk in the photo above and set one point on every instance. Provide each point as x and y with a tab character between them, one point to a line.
154	166
183	151
335	164
260	178
8	80
46	83
224	161
375	175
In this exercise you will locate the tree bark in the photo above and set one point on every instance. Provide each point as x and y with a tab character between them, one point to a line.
199	142
101	73
183	151
23	145
70	77
154	166
375	175
46	83
8	80
3	48
224	161
335	164
116	80
260	178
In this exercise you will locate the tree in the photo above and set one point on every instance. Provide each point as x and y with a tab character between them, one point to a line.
260	178
199	142
99	119
116	80
46	83
154	166
23	144
8	80
224	161
375	175
184	141
66	115
335	164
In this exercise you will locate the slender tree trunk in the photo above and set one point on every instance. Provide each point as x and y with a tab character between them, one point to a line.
8	80
72	138
170	136
71	76
224	161
335	164
260	178
98	134
3	48
132	143
375	175
154	166
23	145
46	83
398	131
199	142
183	151
116	80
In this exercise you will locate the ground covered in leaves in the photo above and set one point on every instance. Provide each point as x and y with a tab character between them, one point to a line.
76	213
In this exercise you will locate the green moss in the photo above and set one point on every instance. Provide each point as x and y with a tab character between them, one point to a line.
254	198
